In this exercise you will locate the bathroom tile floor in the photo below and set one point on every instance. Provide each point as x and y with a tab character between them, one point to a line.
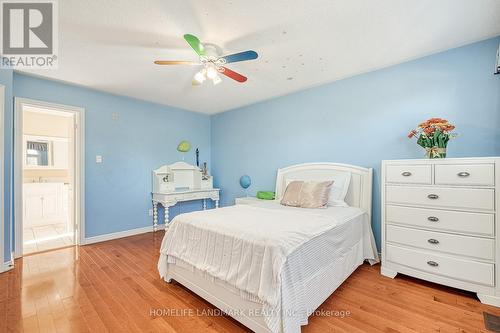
47	237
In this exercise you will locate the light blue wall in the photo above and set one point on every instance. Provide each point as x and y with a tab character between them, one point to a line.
143	138
6	80
362	120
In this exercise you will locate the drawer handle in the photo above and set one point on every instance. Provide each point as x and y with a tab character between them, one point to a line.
432	263
433	196
406	174
433	241
432	219
463	174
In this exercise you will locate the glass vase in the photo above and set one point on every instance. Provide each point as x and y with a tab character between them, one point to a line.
435	152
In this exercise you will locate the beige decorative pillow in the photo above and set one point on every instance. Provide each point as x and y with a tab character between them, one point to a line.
307	194
292	194
315	194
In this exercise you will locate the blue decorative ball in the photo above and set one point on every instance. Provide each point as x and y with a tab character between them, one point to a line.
245	181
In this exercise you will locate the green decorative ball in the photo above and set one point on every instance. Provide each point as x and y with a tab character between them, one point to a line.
184	146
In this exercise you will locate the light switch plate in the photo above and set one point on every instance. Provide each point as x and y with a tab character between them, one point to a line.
98	159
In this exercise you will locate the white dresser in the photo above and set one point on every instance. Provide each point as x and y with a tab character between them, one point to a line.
439	222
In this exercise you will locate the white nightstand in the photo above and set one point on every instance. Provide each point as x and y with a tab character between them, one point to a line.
247	200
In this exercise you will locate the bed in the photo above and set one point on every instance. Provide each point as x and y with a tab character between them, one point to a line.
270	266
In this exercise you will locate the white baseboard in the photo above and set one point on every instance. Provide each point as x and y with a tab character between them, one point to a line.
120	234
489	299
6	266
388	272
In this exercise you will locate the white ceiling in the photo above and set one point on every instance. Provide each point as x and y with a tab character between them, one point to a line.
110	45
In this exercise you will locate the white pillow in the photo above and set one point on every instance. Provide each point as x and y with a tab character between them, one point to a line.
339	190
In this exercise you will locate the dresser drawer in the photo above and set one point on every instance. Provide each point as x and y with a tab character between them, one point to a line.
465	174
188	196
444	220
459	198
480	248
440	264
409	174
197	196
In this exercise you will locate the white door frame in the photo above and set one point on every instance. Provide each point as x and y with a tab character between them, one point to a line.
79	186
3	267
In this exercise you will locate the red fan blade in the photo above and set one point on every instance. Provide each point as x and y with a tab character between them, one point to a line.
232	74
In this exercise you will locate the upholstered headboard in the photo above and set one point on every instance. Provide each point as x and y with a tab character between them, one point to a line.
360	188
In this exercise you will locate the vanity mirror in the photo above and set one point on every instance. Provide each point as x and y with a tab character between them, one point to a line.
37	153
45	152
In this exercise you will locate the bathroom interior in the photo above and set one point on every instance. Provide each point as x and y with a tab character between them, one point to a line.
48	178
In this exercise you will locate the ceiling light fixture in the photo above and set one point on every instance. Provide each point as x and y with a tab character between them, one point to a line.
216	80
208	72
212	60
211	72
200	76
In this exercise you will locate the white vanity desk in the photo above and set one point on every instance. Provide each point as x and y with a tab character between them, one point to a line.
180	182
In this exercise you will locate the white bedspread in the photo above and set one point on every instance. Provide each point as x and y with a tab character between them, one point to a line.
247	247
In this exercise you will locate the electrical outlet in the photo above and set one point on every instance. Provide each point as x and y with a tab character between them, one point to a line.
150	212
98	159
115	116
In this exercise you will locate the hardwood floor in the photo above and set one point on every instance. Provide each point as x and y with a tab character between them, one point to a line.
114	286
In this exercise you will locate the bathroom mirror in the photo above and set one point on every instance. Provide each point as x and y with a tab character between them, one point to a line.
45	152
37	153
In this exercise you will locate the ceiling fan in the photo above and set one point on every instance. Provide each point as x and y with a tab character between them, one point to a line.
212	60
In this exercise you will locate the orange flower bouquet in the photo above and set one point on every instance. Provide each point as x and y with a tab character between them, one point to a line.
433	135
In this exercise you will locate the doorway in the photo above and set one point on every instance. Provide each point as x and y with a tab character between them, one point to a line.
48	173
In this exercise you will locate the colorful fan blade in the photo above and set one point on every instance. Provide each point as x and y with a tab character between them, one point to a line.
176	62
195	43
242	56
232	74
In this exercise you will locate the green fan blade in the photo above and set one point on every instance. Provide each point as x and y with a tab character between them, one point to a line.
195	43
